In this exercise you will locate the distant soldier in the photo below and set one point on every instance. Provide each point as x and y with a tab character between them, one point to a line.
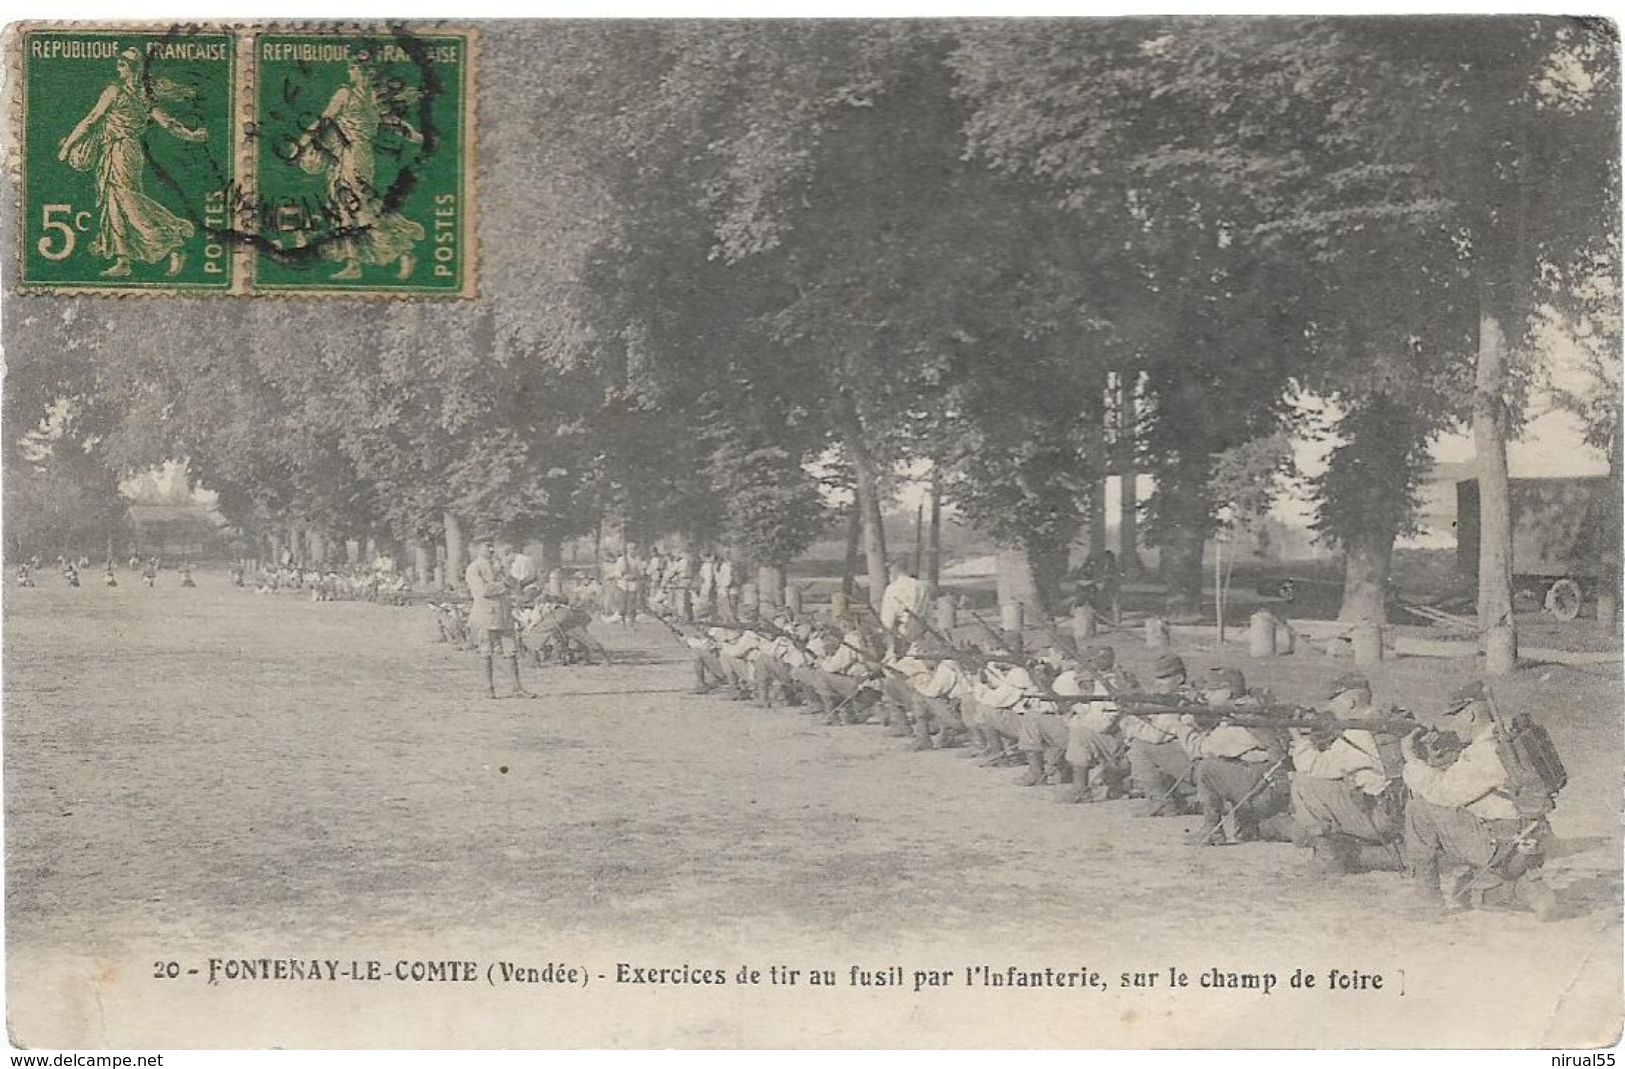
149	571
521	569
70	572
490	617
108	578
738	654
627	572
727	588
186	575
902	600
936	718
564	629
654	586
1463	812
1095	749
1001	696
841	680
25	574
1158	757
1344	797
135	562
679	579
705	598
1241	772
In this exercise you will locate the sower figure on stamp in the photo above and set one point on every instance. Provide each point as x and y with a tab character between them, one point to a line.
112	139
1467	815
341	143
490	617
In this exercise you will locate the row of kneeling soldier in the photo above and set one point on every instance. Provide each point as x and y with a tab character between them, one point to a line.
1463	808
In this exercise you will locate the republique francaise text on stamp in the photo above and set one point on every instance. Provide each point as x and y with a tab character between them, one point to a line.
246	160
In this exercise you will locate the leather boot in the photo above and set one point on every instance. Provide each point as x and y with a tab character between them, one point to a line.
1035	770
1425	882
1330	856
1210	832
490	680
518	690
922	733
1537	894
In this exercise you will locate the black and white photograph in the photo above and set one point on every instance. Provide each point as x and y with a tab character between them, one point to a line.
813	533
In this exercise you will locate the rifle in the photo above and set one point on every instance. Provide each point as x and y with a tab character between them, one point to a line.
673	628
1258	788
998	639
1266	716
768	629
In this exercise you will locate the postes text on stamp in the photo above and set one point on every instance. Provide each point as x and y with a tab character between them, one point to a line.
128	164
361	151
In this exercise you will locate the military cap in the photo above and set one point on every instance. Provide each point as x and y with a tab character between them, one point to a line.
1100	658
1347	682
1465	695
1168	665
1229	678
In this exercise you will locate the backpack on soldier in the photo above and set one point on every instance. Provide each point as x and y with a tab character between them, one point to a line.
1534	771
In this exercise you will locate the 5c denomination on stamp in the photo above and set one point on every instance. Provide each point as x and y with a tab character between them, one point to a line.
128	160
250	159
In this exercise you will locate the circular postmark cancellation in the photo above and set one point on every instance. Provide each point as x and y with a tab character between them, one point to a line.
251	160
358	144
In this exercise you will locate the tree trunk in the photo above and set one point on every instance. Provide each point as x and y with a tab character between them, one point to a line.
919	539
1181	559
933	549
1128	503
552	555
868	494
769	589
1609	550
422	569
1094	417
854	535
1029	575
1014	580
1498	633
1365	577
455	564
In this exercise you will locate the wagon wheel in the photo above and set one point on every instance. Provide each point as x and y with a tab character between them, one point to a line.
1563	599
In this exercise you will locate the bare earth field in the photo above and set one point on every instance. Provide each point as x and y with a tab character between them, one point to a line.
207	774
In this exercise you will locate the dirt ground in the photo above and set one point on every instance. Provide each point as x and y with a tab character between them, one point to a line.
197	774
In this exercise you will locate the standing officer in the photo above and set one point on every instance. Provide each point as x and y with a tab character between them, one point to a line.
490	618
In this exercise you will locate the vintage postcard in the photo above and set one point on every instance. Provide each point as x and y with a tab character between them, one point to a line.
903	534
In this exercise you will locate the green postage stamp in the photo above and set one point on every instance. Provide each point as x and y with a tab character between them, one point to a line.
247	160
128	160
